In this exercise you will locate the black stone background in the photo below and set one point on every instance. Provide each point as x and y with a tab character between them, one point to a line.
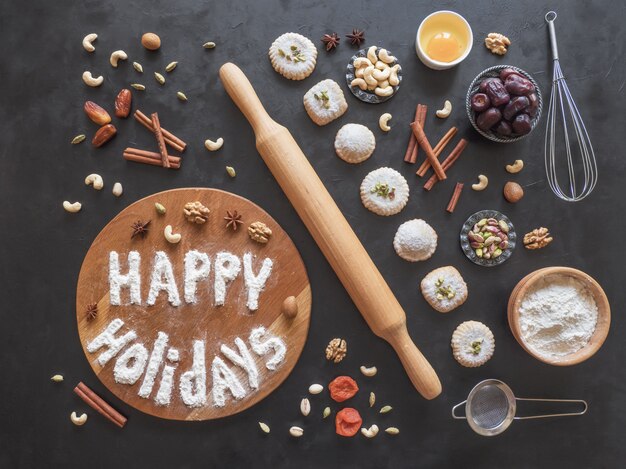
42	246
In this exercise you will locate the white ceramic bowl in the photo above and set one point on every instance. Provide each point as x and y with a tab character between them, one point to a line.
435	64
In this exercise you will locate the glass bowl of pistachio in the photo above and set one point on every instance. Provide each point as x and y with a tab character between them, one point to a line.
488	238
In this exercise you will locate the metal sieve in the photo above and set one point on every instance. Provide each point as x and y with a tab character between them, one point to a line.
490	407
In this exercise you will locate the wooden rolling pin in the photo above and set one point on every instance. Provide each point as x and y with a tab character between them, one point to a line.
331	231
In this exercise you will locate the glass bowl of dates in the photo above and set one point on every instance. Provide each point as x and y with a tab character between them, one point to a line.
488	238
504	103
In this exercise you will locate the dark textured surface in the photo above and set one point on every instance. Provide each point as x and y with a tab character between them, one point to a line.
42	246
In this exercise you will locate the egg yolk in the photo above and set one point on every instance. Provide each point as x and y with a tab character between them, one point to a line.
443	47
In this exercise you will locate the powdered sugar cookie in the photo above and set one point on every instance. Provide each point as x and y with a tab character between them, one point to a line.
473	344
415	240
293	56
444	289
384	191
354	143
325	102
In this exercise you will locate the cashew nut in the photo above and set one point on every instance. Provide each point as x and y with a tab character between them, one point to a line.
72	207
383	123
76	420
384	84
515	167
368	77
370	432
91	81
445	112
214	145
369	372
94	180
371	54
383	55
360	82
358	73
381	75
381	65
383	91
117	56
362	62
87	42
171	237
482	183
393	76
117	189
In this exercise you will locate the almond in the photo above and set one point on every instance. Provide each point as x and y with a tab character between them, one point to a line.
122	103
96	113
103	135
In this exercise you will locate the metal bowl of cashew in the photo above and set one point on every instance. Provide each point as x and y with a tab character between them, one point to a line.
373	75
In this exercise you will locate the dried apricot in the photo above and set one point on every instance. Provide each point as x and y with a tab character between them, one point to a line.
342	388
348	421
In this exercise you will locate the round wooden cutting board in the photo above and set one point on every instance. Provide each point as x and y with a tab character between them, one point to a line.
202	320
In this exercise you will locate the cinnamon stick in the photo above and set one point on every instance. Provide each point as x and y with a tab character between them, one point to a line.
171	139
447	163
98	404
437	150
422	141
456	195
411	152
156	128
149	157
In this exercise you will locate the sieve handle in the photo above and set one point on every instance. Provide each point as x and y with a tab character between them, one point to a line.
571	401
459	417
550	17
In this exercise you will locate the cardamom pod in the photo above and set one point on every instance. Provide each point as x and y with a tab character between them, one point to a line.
171	66
78	139
159	208
160	78
372	399
208	45
264	427
137	66
386	409
57	378
326	412
138	86
181	96
392	431
231	171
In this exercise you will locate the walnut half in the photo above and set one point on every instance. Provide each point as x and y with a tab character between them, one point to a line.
537	238
336	350
497	43
259	232
195	212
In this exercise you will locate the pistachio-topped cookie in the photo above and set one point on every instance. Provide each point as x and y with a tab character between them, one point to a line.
325	102
384	191
473	344
444	289
293	56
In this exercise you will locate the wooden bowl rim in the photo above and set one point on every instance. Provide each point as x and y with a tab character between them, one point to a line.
604	314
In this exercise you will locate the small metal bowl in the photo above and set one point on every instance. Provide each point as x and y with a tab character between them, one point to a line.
469	251
369	96
493	72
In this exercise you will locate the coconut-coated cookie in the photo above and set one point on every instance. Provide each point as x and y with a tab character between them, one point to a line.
354	143
415	240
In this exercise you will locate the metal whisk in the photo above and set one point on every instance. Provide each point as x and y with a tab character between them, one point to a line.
586	169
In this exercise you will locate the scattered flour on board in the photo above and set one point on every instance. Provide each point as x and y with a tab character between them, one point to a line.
558	316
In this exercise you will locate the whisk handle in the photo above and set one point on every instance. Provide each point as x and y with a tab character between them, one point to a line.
550	17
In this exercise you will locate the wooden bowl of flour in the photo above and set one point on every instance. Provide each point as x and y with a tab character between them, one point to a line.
555	275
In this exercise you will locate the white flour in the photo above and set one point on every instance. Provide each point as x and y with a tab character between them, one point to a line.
255	283
557	317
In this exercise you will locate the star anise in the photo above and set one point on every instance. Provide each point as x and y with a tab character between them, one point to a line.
233	219
331	40
91	311
140	228
357	37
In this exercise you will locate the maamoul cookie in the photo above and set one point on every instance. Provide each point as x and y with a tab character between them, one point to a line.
444	289
293	56
384	191
473	344
354	143
325	102
415	240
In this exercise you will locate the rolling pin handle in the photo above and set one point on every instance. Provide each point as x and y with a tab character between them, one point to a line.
421	374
